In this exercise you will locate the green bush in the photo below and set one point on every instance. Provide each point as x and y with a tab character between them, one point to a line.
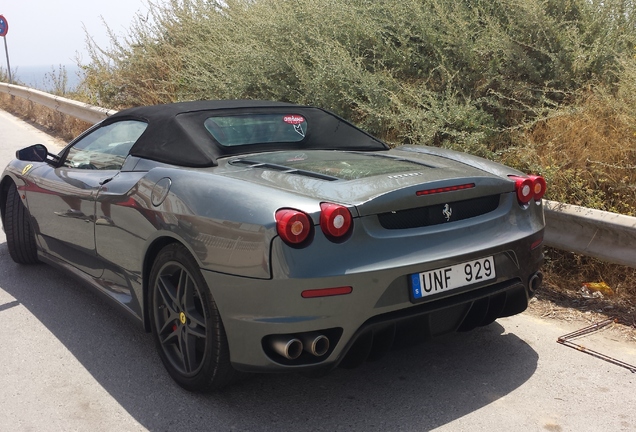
441	72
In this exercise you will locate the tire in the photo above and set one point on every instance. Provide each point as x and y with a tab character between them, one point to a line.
17	226
186	324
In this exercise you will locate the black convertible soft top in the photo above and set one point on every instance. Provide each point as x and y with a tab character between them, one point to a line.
176	133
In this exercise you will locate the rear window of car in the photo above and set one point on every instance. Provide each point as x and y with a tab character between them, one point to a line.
247	129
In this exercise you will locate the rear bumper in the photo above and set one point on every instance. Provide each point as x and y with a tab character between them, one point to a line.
378	311
422	322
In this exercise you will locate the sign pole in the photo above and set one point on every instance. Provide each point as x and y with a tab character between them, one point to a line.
6	50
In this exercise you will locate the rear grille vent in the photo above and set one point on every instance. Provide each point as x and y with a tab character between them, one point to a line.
439	213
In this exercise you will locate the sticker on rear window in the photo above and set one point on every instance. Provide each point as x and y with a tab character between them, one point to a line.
294	119
297	122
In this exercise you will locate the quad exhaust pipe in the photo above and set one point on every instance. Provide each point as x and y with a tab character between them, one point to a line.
287	346
315	344
535	282
291	347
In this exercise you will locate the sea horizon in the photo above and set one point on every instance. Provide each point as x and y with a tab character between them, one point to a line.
40	77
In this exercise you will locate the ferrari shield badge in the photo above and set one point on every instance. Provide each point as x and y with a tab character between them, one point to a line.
26	169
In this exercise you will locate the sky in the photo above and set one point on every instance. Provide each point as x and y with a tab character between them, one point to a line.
50	32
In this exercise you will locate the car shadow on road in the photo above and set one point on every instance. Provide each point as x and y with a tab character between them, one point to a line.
416	388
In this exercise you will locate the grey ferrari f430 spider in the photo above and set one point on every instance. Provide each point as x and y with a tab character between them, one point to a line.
264	236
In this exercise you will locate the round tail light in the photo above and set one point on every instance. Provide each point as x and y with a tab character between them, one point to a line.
335	221
539	187
293	226
525	189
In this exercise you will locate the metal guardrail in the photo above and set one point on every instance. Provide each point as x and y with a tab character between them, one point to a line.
607	236
82	111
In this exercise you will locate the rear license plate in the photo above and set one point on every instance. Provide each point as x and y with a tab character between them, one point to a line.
449	278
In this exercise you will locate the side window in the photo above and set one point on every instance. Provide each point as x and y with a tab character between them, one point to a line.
105	148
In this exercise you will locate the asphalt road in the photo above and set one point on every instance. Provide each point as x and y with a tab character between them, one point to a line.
68	361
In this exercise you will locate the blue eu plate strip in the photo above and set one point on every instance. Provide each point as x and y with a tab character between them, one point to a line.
415	286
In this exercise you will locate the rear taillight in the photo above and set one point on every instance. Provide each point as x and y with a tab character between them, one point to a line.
293	226
539	187
335	221
296	227
529	187
524	189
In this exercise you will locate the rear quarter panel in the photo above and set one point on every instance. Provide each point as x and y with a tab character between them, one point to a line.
228	224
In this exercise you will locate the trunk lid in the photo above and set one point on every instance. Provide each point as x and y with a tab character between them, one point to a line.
372	182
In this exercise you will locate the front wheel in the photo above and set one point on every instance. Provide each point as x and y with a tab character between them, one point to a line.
186	324
17	226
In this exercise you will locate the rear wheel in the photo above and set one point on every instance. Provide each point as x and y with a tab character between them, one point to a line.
17	226
186	324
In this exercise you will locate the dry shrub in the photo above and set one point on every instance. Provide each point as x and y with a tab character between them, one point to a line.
588	154
53	122
440	72
587	151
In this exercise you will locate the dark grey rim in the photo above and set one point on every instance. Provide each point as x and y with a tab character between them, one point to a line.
180	319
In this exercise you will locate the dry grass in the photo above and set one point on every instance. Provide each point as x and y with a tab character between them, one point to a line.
55	123
587	152
565	274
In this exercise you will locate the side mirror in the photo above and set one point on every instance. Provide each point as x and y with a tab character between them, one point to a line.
34	153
